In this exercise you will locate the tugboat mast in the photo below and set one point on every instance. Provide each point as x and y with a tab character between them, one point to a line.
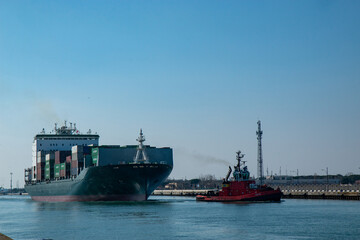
260	172
239	156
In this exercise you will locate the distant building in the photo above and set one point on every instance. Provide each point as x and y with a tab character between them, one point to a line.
171	185
284	179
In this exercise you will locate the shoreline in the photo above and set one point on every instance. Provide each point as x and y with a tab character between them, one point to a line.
287	194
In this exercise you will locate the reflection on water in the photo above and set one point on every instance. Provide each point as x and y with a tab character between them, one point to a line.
178	218
71	205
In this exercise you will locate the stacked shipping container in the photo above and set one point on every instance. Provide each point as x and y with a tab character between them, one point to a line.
95	155
49	165
57	170
60	156
64	170
64	164
40	166
78	155
61	159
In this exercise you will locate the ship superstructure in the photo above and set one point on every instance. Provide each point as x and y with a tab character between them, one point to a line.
60	139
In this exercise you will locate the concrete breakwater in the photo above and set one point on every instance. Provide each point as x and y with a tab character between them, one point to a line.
305	191
320	191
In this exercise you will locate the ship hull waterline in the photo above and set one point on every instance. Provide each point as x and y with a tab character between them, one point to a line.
270	196
125	182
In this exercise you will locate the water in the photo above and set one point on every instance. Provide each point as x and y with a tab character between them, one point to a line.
179	218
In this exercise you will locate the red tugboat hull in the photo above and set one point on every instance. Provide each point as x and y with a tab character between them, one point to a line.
268	196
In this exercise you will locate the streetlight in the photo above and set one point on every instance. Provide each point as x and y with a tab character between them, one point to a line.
327	177
11	183
327	174
292	176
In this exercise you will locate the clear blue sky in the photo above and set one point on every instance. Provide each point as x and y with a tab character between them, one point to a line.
195	75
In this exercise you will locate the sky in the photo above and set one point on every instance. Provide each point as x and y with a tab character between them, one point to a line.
194	75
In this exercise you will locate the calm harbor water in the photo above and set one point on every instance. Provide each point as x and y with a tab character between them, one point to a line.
179	218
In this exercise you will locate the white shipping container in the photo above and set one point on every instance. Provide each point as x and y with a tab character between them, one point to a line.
40	156
77	149
50	156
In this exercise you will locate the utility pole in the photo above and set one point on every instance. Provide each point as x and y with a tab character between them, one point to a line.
327	179
327	175
260	159
11	183
297	174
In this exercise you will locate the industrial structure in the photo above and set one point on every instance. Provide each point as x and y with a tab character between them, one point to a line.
260	170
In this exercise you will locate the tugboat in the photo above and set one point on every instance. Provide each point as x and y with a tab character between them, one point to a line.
241	187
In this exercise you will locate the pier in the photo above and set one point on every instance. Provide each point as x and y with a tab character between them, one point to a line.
320	191
188	192
318	194
305	191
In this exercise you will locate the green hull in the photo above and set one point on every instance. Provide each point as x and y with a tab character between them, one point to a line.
124	182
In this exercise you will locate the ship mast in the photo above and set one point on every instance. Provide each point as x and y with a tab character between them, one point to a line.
65	130
239	156
260	172
237	169
140	153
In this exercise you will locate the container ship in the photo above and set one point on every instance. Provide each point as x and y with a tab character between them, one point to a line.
71	166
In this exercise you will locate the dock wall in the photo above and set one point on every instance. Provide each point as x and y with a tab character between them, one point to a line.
304	191
320	191
189	193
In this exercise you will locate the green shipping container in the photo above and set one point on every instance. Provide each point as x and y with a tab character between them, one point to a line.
62	166
95	155
57	170
47	173
50	162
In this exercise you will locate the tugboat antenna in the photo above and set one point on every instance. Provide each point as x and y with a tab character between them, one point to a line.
259	157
